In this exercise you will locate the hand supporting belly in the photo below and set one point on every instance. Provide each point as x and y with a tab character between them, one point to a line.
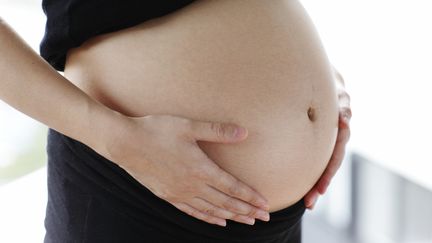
282	158
268	73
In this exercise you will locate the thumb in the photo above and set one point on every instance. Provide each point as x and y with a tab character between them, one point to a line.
221	132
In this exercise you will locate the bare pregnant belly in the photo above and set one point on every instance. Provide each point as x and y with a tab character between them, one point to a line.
256	63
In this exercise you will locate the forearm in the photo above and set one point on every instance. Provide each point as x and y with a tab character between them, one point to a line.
32	86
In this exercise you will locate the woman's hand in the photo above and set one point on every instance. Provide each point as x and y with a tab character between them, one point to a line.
160	152
339	151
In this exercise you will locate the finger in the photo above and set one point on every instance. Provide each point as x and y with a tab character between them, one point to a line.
230	185
329	173
217	131
344	98
311	198
335	160
238	207
216	177
208	208
199	215
345	115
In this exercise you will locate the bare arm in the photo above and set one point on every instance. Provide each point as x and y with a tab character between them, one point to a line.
170	155
29	84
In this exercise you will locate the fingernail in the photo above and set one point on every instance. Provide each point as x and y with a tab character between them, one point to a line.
312	206
250	221
239	132
311	202
314	201
263	215
222	223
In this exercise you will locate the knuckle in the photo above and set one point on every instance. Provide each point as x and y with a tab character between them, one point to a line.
210	211
185	127
255	200
230	204
235	189
252	212
217	128
222	129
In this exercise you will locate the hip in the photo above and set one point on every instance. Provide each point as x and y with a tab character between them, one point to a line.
91	199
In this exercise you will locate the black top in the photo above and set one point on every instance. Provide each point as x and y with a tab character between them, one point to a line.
71	22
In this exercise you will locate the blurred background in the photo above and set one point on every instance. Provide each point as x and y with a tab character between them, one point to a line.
383	191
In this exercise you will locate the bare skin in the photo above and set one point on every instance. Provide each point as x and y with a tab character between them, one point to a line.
257	64
33	87
156	145
338	154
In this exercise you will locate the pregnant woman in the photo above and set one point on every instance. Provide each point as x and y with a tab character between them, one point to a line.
174	116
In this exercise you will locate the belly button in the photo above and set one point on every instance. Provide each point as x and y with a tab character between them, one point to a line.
311	114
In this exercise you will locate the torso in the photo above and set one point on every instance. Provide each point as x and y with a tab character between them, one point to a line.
259	64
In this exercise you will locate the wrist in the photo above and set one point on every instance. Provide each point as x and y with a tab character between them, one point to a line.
105	127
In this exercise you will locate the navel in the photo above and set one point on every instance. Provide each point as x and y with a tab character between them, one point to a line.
311	114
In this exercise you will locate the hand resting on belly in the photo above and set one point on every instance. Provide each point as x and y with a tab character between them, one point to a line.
268	74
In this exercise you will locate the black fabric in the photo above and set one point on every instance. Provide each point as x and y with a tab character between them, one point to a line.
91	199
71	22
